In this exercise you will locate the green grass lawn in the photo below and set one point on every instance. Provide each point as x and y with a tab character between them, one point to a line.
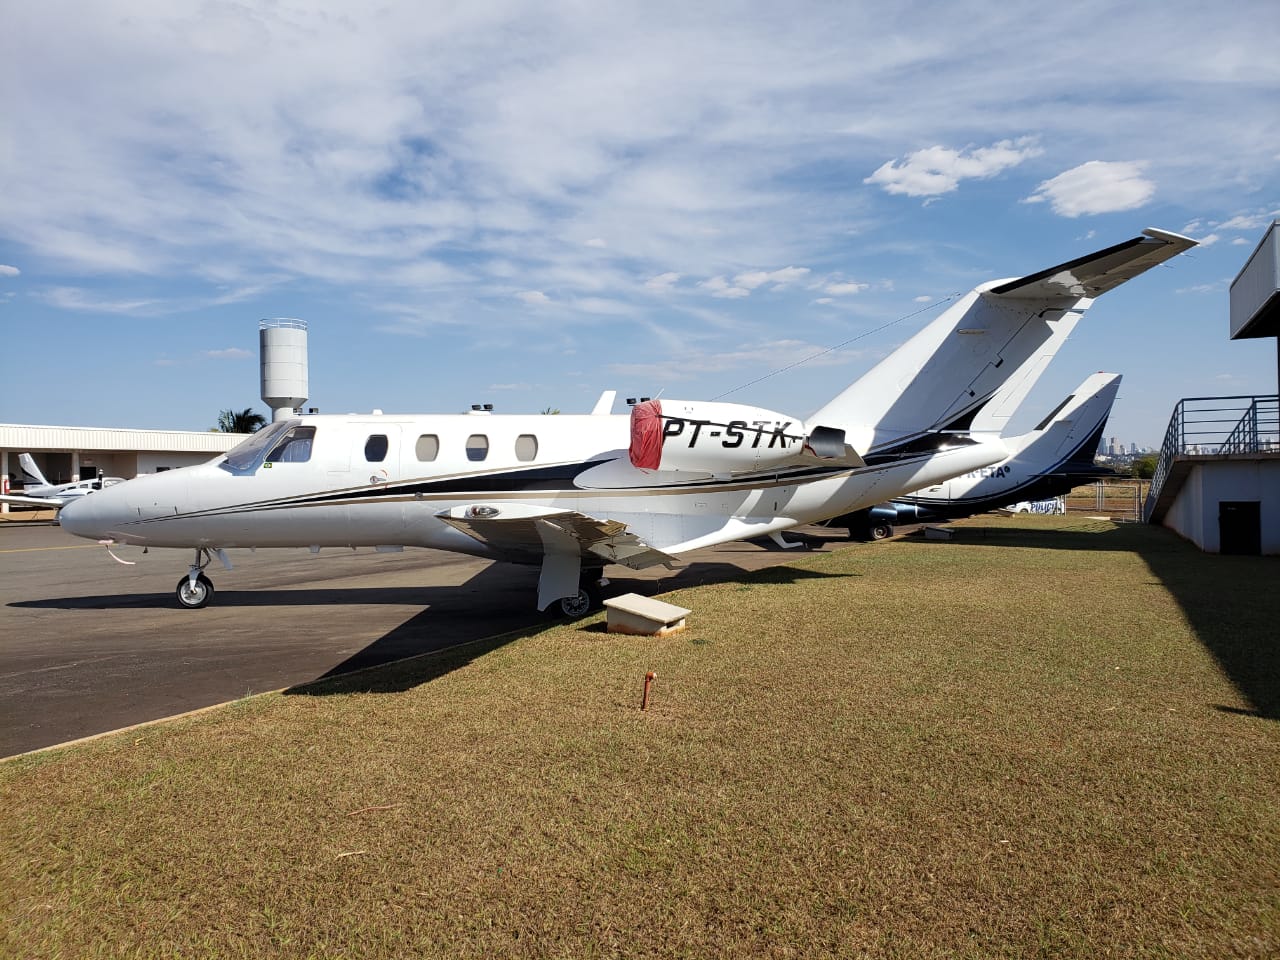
1049	737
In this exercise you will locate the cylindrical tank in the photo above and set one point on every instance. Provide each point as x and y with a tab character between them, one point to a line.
283	351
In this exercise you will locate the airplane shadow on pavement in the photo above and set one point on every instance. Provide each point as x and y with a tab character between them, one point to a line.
414	654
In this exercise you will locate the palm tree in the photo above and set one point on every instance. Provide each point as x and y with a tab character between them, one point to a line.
243	421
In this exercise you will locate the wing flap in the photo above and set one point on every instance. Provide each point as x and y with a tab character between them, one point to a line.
526	531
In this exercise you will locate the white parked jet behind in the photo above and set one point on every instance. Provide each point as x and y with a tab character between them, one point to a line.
574	493
1053	459
39	492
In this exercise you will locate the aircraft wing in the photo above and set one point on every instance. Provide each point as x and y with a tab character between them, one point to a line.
31	501
524	532
1096	273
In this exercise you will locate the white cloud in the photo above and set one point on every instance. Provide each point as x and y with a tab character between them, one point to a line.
8	271
603	306
845	288
663	282
230	353
825	300
1098	186
212	149
1249	222
937	170
778	278
720	287
73	298
922	300
743	284
773	353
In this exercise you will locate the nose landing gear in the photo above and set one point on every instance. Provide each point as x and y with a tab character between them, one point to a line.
195	590
194	594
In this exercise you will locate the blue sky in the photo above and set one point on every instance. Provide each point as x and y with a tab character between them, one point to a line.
526	204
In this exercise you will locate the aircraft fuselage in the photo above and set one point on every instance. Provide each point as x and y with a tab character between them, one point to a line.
374	480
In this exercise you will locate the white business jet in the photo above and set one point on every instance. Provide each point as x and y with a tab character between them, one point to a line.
1052	459
39	492
572	494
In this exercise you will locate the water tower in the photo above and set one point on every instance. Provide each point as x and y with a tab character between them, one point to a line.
283	351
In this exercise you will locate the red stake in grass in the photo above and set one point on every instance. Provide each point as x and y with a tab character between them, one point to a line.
648	679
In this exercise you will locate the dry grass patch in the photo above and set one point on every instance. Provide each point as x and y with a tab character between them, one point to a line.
1005	745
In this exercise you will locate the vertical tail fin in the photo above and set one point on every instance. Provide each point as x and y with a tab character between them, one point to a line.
1067	439
31	475
1001	332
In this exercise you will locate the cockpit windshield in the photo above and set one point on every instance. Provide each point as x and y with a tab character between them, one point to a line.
249	454
294	447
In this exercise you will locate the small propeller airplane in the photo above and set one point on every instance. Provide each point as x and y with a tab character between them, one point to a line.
1053	459
573	493
39	492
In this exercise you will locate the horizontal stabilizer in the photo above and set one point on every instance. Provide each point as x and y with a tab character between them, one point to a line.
521	531
1095	274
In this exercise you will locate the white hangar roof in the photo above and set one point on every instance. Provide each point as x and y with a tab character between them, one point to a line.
18	436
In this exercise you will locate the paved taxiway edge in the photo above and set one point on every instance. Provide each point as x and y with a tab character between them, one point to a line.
254	696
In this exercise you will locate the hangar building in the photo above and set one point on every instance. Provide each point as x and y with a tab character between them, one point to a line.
1218	479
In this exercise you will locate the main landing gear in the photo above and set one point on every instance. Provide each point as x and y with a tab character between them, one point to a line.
589	597
873	531
195	590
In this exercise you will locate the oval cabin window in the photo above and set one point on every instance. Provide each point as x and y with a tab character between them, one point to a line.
526	447
477	447
375	448
428	447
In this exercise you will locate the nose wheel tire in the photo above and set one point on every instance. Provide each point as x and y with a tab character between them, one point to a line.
193	596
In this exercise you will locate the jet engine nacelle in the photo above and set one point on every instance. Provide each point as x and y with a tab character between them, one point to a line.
709	437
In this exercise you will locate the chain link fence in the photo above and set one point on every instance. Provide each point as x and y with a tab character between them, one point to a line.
1120	499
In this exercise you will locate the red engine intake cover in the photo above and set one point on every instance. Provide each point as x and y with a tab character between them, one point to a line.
646	435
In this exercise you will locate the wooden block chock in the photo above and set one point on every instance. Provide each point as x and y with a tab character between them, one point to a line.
644	616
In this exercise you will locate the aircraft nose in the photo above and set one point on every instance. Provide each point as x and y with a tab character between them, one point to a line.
80	517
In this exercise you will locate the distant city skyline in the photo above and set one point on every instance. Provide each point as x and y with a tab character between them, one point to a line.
1115	447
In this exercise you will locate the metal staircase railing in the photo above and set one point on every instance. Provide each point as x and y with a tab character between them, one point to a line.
1214	426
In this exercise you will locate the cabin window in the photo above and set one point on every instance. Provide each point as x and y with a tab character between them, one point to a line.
427	447
526	447
294	447
477	447
375	448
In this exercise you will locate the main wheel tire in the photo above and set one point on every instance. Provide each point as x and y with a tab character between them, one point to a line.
573	608
193	596
879	531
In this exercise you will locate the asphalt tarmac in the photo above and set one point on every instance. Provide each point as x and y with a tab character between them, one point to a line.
89	645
